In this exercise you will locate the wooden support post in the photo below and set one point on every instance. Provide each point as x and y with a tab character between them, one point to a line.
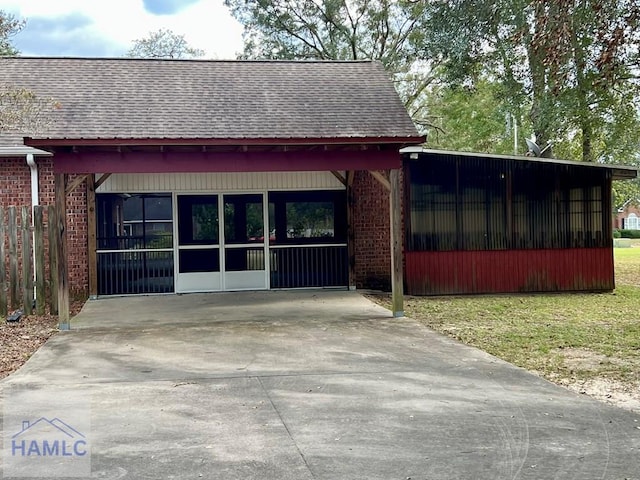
38	246
351	237
395	224
52	233
91	237
27	261
63	278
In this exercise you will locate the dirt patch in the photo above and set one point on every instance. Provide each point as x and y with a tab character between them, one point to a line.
582	358
622	394
20	340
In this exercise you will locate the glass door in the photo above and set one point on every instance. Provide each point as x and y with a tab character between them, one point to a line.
198	263
244	261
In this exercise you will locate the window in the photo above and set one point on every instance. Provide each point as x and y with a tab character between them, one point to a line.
308	239
459	203
243	219
632	222
135	243
307	217
134	221
198	223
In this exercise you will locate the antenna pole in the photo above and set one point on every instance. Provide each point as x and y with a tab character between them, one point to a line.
515	135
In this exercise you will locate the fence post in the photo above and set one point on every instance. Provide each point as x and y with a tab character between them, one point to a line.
14	281
38	229
27	261
53	258
3	267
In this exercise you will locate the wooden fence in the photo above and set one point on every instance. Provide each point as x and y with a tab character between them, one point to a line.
23	284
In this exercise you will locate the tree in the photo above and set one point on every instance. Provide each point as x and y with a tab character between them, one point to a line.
474	118
625	191
20	109
385	30
23	111
568	61
9	26
163	44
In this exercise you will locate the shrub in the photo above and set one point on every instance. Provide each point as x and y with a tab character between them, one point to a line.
617	234
630	233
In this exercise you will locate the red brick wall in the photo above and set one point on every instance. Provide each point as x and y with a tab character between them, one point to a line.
371	230
15	190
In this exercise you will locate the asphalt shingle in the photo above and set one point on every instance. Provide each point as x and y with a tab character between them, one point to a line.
181	99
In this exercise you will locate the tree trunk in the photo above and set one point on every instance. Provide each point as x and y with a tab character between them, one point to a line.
539	113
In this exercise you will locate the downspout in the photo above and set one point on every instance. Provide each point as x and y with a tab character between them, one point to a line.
34	182
34	201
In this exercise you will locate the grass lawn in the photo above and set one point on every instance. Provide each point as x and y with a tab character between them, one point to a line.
567	338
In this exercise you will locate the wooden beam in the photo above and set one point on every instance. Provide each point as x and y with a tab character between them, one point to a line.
382	179
339	176
220	162
395	224
100	181
92	243
351	237
61	231
75	184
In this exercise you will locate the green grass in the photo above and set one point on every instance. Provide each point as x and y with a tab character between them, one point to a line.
564	337
628	264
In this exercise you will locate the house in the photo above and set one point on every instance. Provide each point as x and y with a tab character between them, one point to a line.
180	176
197	176
628	216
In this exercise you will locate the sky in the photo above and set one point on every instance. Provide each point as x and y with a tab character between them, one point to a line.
107	28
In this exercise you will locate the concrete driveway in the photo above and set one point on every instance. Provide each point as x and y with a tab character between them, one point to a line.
313	385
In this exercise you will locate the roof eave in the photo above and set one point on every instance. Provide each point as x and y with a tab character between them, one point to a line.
618	172
22	150
123	142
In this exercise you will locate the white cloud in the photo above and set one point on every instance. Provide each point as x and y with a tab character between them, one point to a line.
206	24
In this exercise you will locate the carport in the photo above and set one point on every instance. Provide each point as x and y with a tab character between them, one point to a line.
190	129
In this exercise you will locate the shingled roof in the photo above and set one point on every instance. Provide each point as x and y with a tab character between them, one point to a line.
194	99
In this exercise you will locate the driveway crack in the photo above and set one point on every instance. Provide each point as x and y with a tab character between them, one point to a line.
286	427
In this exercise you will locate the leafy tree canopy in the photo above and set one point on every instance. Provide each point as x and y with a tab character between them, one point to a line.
163	43
570	62
9	27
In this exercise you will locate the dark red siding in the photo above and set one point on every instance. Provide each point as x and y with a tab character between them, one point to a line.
506	271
